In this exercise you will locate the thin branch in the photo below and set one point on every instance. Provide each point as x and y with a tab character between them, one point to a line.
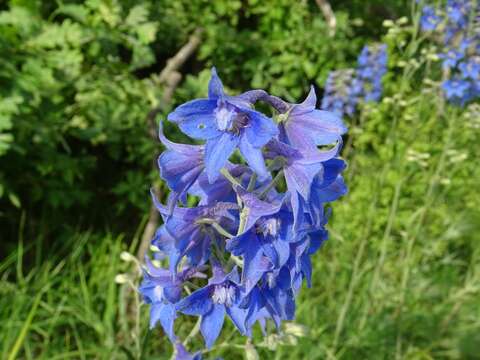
169	77
329	15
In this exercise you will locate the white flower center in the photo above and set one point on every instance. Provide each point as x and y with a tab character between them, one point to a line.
224	294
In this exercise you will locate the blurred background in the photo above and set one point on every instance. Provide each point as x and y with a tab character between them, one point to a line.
83	85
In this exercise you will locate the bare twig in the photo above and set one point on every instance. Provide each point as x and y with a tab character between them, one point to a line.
329	15
169	77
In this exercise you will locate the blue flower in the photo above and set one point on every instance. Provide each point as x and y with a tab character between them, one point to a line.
471	68
242	218
342	92
180	165
300	169
162	291
183	354
456	90
429	19
458	11
226	123
184	234
450	58
264	247
221	296
372	66
345	89
305	127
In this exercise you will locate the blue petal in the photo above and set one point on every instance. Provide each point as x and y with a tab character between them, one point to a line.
165	314
217	152
299	177
238	317
197	303
183	354
317	127
180	170
309	103
255	265
196	118
257	208
261	130
215	86
212	324
254	158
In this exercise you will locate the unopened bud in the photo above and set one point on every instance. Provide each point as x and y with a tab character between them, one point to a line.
297	330
387	23
121	278
154	248
250	352
127	257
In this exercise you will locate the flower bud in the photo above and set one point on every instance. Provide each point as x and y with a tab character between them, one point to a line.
295	329
127	257
121	278
250	352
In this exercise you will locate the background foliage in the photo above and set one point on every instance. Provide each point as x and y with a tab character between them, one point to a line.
400	274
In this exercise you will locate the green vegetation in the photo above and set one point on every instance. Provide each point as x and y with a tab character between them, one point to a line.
400	275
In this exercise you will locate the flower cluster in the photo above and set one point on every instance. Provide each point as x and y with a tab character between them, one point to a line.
342	92
459	24
244	251
346	88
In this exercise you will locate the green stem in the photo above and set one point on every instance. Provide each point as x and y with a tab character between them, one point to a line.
272	184
252	182
216	226
230	177
243	220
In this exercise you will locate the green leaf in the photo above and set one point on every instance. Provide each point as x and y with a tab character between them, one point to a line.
137	15
14	200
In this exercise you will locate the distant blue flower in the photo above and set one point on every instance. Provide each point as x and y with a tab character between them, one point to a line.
346	88
221	296
225	122
458	11
461	52
342	92
471	68
372	66
429	19
456	90
451	58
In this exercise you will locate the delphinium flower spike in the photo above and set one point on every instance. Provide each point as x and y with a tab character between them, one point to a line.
458	27
243	252
346	88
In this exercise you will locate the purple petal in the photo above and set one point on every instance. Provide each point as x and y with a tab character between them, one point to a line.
317	127
308	104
